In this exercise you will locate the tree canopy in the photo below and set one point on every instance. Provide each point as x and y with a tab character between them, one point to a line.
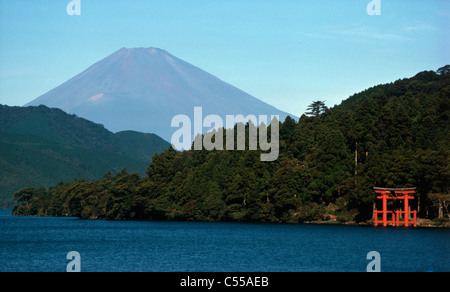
316	108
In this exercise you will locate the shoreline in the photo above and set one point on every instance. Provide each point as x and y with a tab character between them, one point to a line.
422	223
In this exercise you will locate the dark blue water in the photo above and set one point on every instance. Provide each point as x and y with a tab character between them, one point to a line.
42	244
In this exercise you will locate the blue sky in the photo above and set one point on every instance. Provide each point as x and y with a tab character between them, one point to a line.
287	52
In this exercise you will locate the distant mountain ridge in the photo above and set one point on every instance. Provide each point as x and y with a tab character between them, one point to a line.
42	146
142	89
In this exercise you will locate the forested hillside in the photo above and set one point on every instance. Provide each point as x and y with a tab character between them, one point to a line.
391	135
43	146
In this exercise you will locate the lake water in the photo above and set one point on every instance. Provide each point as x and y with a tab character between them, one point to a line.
41	245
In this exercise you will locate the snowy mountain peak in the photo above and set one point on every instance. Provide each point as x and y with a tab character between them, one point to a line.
142	89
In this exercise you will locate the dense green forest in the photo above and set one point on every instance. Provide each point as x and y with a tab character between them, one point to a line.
43	146
391	135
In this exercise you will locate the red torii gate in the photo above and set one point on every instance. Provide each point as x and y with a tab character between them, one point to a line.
400	194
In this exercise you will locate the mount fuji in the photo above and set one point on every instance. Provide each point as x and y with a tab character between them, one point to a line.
142	89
